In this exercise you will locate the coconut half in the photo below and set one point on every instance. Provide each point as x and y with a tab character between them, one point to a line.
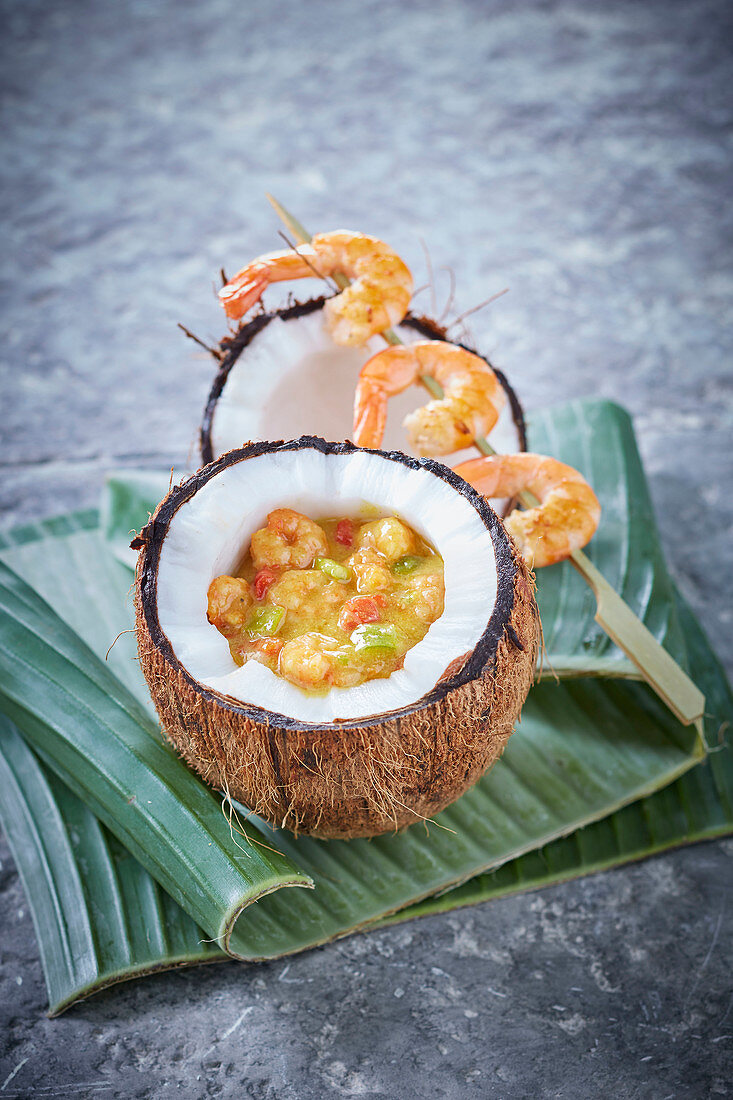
281	375
356	761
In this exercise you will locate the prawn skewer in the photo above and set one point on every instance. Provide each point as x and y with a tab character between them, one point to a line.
470	406
568	512
377	298
655	665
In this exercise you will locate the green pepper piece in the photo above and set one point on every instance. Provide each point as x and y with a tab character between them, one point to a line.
375	636
342	656
333	569
407	564
266	620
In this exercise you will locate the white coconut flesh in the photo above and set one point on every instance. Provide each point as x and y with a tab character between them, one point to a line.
292	379
209	533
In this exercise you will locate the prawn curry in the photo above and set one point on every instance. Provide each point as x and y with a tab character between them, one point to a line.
329	604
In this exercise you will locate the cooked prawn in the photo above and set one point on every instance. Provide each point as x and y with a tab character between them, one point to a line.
378	544
370	570
424	596
568	511
229	601
316	660
290	540
300	588
305	660
377	298
388	536
472	401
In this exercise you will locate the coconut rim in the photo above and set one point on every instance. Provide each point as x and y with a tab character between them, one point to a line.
473	663
231	348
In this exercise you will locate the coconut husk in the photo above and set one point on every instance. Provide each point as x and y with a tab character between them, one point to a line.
348	778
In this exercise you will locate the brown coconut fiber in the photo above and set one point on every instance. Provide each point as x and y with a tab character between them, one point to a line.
345	780
360	777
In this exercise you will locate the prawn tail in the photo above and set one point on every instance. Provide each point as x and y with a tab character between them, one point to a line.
242	292
370	416
482	476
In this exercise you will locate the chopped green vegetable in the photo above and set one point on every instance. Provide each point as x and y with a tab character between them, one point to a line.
333	569
266	620
407	564
375	636
343	656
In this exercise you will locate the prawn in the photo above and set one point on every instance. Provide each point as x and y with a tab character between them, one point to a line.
312	661
379	544
424	596
299	588
305	660
290	539
229	601
388	537
473	397
372	575
377	298
568	511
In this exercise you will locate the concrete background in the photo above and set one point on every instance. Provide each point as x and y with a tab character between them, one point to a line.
577	153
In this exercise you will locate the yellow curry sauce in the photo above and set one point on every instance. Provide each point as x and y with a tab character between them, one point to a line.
332	603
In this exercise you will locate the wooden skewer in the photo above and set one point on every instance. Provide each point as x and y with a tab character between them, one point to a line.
613	614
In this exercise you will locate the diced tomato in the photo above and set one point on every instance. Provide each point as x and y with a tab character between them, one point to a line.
269	646
345	532
263	582
359	610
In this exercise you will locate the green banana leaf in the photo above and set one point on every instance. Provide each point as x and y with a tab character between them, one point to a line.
582	750
104	745
100	918
698	806
565	767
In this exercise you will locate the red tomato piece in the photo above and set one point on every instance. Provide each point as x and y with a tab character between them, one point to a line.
263	582
359	610
345	532
269	646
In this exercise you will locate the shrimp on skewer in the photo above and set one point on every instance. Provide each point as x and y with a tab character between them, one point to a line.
473	397
377	297
568	511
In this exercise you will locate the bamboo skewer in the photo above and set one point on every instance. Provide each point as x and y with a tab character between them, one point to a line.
616	618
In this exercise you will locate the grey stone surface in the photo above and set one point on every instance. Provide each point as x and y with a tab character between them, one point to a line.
579	154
